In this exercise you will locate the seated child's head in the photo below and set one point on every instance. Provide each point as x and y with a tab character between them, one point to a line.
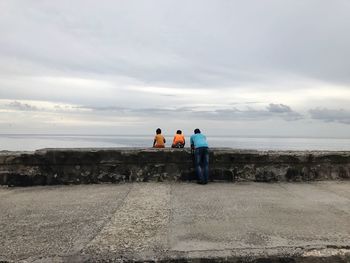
158	131
178	132
196	131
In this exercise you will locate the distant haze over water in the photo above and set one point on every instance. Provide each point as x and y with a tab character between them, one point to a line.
29	142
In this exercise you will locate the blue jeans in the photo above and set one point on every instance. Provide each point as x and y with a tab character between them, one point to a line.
201	164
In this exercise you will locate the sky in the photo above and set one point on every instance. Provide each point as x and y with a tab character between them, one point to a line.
228	67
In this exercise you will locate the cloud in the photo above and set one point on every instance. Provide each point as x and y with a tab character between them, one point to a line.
284	111
39	107
331	115
272	111
102	108
15	105
230	113
278	108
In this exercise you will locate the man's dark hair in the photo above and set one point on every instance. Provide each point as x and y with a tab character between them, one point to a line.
158	131
197	131
178	132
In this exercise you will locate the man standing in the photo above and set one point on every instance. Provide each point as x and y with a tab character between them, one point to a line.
201	156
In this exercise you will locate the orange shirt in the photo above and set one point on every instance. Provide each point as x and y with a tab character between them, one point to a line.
159	140
179	138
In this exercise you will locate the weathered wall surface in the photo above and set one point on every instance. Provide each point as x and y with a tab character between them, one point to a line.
82	166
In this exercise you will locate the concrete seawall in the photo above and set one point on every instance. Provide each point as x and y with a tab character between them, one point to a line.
96	165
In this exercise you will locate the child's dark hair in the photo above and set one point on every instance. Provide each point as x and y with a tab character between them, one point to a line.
197	131
158	131
178	132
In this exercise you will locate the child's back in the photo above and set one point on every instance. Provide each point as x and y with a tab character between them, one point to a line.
179	140
159	140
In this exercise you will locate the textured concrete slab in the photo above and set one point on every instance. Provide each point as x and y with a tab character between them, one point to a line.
258	216
139	228
54	221
177	222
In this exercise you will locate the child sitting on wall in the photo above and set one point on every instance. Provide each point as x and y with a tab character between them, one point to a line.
179	140
159	140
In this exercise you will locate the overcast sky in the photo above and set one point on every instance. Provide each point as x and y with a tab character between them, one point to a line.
239	67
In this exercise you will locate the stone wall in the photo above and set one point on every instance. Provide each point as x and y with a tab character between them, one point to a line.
83	166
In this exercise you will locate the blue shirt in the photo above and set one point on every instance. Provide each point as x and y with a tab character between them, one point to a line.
199	140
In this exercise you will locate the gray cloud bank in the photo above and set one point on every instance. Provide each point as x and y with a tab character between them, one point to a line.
271	111
331	115
15	105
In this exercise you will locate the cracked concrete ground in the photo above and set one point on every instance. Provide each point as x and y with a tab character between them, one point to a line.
178	222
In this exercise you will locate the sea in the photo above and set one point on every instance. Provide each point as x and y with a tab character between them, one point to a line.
32	142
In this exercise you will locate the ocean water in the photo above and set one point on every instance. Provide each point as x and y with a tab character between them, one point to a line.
27	142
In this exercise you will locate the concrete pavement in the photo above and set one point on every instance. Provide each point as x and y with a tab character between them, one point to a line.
179	222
